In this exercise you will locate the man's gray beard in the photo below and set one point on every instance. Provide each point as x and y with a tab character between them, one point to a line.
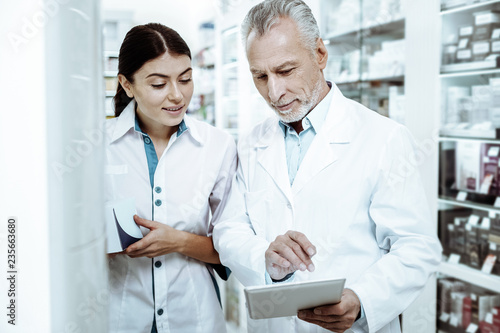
303	109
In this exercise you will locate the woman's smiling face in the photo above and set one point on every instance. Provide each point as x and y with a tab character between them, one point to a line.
162	88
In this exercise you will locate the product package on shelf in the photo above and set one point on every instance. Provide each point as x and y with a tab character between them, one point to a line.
481	101
494	242
465	308
472	235
458	107
489	181
396	104
446	221
387	61
483	237
472	246
468	166
379	12
472	111
346	14
471	167
495	102
475	44
448	289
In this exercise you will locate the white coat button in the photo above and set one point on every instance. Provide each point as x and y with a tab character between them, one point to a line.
289	206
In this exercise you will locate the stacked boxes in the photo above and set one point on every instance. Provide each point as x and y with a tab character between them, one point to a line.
477	41
477	167
473	108
471	234
461	305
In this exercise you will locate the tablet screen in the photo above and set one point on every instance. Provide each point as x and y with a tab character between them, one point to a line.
286	299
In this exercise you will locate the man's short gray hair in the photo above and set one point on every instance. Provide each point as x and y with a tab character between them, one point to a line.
265	14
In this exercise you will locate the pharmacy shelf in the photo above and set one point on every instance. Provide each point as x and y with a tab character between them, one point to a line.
492	135
471	275
469	138
468	7
399	78
470	73
474	67
468	204
110	73
386	29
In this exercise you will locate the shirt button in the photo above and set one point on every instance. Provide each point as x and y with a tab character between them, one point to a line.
147	140
158	264
159	312
306	122
158	202
158	189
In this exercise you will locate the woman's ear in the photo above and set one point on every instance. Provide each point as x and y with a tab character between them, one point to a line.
127	86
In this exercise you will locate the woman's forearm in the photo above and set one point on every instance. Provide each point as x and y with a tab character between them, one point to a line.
198	247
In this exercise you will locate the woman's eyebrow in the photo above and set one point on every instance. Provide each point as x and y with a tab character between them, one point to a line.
166	76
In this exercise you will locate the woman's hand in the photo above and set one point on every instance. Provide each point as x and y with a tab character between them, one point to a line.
162	239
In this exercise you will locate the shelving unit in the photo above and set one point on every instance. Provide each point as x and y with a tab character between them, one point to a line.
366	60
110	79
238	105
469	145
202	106
116	25
470	275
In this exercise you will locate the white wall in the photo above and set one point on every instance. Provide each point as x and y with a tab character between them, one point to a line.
23	183
51	94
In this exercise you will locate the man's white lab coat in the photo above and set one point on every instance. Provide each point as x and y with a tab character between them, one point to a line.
358	198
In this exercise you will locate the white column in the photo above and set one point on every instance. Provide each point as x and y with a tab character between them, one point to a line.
51	161
422	103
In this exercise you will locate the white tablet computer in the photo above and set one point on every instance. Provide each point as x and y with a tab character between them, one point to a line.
285	299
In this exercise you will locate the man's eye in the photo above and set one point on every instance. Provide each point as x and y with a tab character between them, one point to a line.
261	77
286	72
157	86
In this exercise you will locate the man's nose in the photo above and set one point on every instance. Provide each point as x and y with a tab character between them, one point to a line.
276	87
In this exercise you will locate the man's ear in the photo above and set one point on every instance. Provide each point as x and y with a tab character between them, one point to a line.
126	85
321	53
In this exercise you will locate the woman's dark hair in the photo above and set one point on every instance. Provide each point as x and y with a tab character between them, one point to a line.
142	44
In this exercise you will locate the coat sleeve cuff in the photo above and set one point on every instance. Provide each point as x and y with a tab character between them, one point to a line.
270	280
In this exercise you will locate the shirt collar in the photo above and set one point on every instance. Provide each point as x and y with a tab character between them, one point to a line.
128	120
317	116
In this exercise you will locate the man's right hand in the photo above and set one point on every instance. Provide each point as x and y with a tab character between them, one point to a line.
288	253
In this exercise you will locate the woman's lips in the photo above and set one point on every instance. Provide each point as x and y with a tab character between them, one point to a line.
174	110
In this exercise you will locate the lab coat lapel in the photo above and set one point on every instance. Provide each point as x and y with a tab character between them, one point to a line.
272	157
324	149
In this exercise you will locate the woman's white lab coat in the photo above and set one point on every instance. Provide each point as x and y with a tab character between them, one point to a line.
193	175
358	198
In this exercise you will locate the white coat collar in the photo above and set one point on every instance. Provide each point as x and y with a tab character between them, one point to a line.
337	128
126	121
